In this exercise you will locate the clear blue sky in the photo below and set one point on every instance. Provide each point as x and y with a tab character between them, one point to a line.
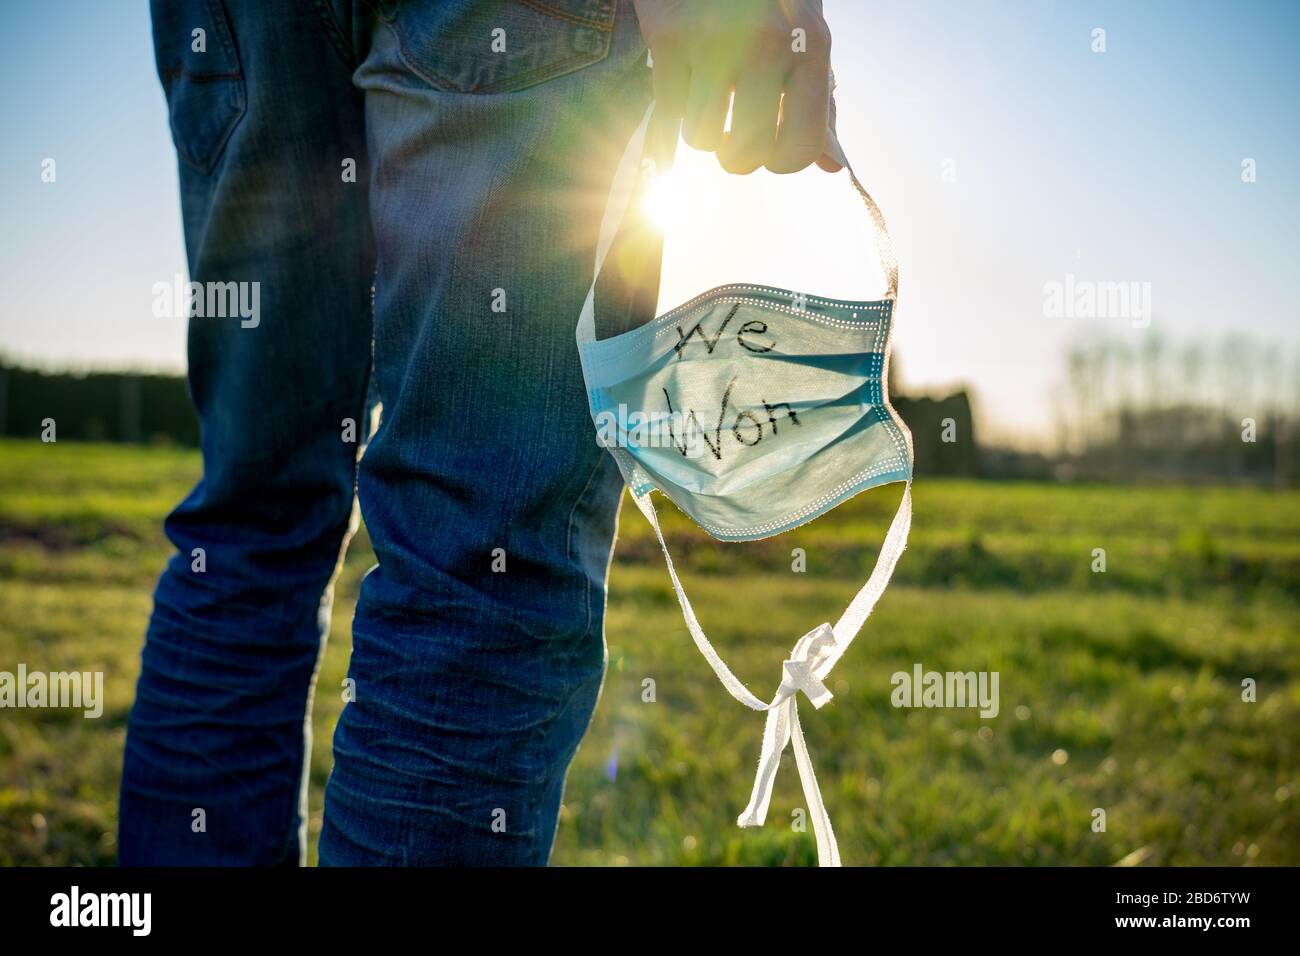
1123	165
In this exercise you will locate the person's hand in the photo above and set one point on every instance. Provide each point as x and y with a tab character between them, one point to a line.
704	50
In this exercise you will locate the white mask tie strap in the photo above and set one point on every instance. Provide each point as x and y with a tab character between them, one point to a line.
808	666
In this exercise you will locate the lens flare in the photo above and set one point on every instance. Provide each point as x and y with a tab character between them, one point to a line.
665	202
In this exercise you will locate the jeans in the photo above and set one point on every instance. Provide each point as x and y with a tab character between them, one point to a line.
416	190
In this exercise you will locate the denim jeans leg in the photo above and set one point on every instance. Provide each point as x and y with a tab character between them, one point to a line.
478	649
265	119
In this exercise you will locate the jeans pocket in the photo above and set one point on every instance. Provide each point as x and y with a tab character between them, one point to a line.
498	46
198	64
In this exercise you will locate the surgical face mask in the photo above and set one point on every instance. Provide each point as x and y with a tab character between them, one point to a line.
755	409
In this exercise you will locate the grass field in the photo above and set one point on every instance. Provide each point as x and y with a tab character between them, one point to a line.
1119	690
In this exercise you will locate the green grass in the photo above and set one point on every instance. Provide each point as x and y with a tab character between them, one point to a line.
1119	690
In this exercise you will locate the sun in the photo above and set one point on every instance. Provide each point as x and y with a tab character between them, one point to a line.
665	202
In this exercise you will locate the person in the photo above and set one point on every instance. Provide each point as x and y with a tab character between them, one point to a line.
414	189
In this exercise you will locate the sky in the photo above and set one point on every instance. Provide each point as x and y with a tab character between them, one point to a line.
1005	153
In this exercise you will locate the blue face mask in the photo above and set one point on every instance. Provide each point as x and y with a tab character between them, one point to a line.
754	410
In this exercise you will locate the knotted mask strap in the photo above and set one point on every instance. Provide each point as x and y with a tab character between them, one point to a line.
810	662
